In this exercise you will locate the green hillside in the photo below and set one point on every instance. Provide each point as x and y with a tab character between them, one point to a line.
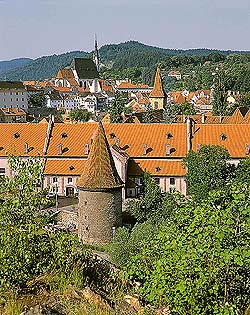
14	63
115	57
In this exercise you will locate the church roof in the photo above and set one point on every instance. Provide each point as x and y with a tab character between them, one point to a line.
100	171
158	90
85	68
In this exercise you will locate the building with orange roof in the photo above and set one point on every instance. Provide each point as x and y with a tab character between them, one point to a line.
158	97
157	148
12	115
130	87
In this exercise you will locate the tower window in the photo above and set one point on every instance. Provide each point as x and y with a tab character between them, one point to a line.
156	105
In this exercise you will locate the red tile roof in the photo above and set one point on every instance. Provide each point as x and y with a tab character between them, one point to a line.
158	90
100	171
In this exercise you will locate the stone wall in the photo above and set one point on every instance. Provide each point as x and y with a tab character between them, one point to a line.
100	213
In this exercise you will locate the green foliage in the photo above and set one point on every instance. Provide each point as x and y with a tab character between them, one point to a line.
242	174
27	248
199	262
126	244
245	100
118	107
37	100
206	170
80	115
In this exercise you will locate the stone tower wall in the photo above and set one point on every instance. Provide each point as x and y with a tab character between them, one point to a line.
99	213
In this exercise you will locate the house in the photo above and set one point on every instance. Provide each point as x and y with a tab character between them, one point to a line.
13	95
12	115
156	148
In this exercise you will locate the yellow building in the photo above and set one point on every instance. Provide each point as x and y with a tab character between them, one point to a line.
158	97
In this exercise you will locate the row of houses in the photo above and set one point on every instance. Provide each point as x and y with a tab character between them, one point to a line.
136	148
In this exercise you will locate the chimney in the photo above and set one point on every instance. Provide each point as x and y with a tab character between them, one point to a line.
247	149
189	134
203	119
86	148
167	149
220	119
59	149
144	149
26	148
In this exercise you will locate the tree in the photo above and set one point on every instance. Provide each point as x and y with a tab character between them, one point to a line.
37	100
245	100
242	174
27	246
199	263
207	170
222	83
80	115
118	107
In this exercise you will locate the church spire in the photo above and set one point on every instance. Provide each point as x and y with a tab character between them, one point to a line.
96	56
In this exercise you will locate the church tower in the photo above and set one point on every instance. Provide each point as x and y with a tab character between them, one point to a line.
158	97
100	194
96	56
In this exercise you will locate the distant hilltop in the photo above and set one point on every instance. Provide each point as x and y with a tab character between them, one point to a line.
125	55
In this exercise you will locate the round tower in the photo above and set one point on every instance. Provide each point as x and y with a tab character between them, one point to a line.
100	194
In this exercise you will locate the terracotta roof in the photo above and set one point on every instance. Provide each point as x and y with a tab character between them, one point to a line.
64	167
100	171
132	138
158	90
13	111
128	85
156	167
14	136
246	119
68	75
237	136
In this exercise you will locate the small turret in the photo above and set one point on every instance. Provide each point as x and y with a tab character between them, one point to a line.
100	194
158	96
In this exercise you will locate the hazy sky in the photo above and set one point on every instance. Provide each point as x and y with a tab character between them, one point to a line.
32	28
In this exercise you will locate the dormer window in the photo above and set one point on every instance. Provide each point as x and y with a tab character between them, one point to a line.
112	135
71	167
223	137
157	169
16	135
169	135
64	135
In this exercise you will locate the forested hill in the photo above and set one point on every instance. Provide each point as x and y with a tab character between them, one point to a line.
14	63
119	56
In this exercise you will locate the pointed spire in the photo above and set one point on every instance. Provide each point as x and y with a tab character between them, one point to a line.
100	171
96	56
158	90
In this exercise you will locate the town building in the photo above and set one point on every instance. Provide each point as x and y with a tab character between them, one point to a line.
13	95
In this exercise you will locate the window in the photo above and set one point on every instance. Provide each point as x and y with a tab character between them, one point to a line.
54	179
22	99
156	105
16	93
172	181
17	99
2	171
70	180
157	180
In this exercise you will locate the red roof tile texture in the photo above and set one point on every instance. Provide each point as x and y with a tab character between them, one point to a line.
100	171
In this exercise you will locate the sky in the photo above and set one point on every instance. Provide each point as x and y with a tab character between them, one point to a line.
34	28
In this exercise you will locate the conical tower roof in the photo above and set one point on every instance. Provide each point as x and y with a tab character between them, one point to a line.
158	90
100	171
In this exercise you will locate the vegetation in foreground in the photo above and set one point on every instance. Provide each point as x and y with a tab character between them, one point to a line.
192	255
